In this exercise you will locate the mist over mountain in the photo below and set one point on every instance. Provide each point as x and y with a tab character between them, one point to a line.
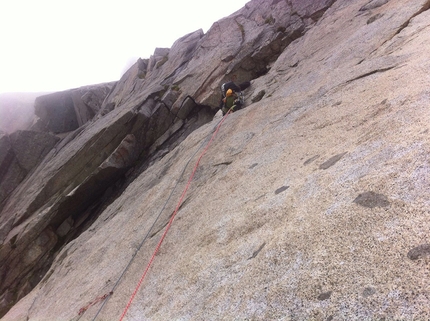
17	110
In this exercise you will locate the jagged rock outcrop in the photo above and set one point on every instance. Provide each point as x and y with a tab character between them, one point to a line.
310	204
67	110
244	45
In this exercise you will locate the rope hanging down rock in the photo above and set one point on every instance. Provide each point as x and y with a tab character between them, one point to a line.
106	297
173	216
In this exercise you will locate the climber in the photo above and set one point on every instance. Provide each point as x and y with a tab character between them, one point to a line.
231	102
236	94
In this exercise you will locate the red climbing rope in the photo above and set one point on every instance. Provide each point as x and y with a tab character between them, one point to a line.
95	301
173	216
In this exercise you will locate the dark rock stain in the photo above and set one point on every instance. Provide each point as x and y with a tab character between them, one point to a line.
253	165
281	189
259	96
261	196
333	160
369	291
419	251
374	18
310	160
224	163
371	200
324	296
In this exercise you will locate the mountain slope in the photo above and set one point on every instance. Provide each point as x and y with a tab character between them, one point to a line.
310	204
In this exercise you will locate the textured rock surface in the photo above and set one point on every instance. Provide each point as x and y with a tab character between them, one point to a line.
20	152
10	172
31	147
310	204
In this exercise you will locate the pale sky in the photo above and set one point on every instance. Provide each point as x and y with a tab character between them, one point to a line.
53	45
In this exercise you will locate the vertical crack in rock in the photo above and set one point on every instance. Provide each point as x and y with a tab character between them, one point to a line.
242	31
257	251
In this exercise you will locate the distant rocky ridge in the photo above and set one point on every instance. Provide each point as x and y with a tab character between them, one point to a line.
36	122
310	204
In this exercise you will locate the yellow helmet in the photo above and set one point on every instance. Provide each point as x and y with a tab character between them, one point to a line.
229	92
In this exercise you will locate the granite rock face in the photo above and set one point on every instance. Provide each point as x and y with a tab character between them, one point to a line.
20	152
310	204
30	147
